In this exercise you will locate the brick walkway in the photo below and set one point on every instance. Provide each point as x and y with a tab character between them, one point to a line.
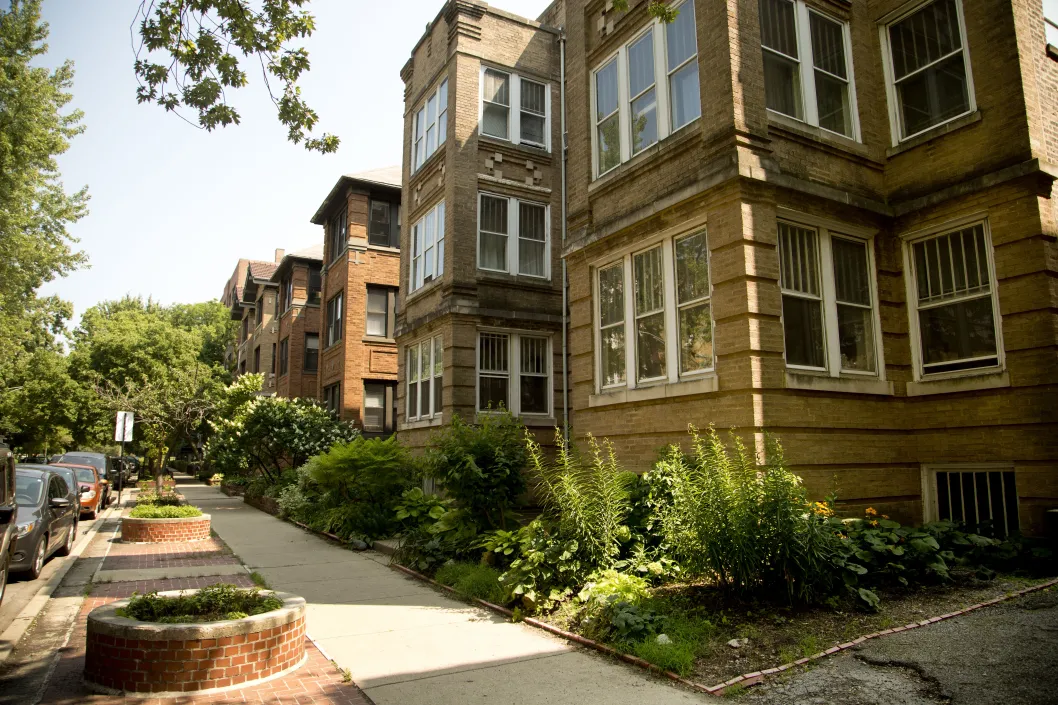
317	682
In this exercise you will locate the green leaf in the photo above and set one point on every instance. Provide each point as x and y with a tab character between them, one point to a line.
869	597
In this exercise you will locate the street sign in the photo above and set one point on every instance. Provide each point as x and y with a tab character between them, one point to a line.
123	426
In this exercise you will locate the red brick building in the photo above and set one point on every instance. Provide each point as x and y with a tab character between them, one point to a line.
297	308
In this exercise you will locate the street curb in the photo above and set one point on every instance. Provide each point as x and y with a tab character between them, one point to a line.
17	629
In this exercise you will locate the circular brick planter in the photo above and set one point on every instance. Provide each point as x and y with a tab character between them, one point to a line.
164	530
126	655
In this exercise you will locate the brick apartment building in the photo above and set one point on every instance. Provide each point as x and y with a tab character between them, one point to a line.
830	219
361	261
297	309
262	323
231	299
480	316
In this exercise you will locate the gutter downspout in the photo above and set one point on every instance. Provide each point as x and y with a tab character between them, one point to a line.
565	279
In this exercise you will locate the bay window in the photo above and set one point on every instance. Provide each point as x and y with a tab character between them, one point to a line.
828	303
430	125
955	301
928	71
514	373
428	247
515	108
513	236
807	66
425	365
667	318
646	91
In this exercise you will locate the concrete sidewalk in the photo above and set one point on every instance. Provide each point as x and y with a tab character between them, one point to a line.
404	642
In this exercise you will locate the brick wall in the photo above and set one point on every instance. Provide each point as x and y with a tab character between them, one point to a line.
299	319
164	530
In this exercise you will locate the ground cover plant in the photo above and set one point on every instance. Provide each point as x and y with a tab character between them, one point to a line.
210	604
164	511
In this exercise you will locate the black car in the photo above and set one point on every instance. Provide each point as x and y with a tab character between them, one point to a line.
70	476
45	519
8	511
100	462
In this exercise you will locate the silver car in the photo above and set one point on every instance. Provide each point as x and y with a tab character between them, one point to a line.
45	519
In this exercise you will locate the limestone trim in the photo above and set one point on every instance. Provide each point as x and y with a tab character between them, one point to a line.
703	385
962	383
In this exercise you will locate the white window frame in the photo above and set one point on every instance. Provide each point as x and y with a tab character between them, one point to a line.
895	120
514	374
671	309
420	126
514	110
807	69
624	100
825	230
514	236
435	380
931	500
416	272
911	283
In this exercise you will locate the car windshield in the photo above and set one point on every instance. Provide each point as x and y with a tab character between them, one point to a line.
28	489
98	463
85	475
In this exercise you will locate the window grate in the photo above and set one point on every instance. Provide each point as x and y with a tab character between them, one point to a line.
986	501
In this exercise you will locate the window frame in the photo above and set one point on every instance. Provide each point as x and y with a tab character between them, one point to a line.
257	359
930	489
514	371
338	239
390	312
335	323
436	379
416	272
389	419
316	367
284	356
911	283
332	398
826	230
895	118
663	95
514	108
392	237
670	309
513	236
419	117
806	69
259	310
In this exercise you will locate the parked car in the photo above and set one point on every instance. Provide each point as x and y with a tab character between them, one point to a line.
92	489
45	519
67	474
8	519
100	462
133	464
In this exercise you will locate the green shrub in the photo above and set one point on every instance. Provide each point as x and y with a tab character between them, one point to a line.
548	568
164	511
472	580
415	508
481	467
745	523
610	583
165	499
210	604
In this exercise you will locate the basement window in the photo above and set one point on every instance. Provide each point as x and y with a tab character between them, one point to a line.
984	498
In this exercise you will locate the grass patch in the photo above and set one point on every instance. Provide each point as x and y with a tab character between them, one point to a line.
688	638
156	511
259	580
472	580
210	604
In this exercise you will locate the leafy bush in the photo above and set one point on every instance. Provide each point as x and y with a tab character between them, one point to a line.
472	580
162	511
481	467
210	604
611	584
548	567
745	523
416	508
168	499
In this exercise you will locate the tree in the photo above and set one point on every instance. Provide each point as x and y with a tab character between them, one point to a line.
190	51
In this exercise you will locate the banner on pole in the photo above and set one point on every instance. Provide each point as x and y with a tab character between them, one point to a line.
123	426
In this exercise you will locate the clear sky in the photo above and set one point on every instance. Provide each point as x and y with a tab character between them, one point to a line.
173	207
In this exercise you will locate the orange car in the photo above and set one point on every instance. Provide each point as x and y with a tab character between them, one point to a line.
92	488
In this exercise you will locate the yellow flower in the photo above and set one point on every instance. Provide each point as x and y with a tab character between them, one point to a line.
871	512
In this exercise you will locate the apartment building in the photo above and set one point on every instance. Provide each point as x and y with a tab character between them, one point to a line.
231	299
479	320
357	376
297	309
261	321
830	219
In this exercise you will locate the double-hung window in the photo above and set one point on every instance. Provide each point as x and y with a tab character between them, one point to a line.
428	247
658	300
646	91
515	108
513	236
425	365
284	356
828	302
338	233
312	352
807	66
381	310
288	293
332	398
259	311
335	314
379	409
928	68
431	125
384	225
315	286
257	359
955	301
514	373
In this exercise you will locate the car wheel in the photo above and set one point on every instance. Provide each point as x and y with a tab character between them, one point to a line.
68	546
5	565
37	565
91	514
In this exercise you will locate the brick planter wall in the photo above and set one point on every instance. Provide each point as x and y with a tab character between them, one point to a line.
126	655
265	504
164	530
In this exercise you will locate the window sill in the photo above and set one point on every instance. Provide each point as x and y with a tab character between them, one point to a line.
422	290
954	385
675	143
935	132
845	385
378	340
333	345
802	131
540	152
1052	51
495	275
528	420
702	385
421	423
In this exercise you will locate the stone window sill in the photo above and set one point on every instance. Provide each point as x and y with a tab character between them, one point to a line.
378	340
830	140
845	385
530	421
954	385
421	423
421	291
934	133
700	385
